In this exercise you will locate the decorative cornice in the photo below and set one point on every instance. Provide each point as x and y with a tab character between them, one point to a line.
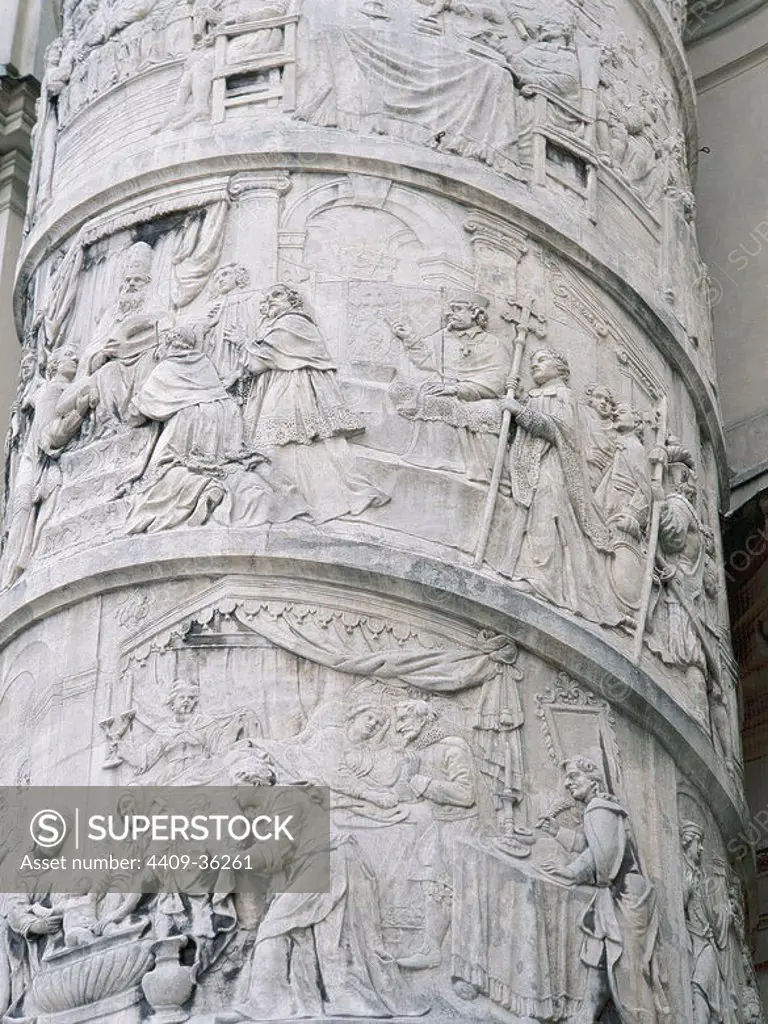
726	72
18	97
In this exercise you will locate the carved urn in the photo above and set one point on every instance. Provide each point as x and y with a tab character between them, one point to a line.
169	985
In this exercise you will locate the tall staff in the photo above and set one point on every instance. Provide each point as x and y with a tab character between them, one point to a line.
527	320
657	479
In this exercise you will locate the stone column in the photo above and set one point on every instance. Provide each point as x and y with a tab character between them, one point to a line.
369	422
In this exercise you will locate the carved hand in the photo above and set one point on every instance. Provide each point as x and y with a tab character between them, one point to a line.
625	524
440	388
666	572
99	360
402	333
381	798
46	925
658	454
410	766
547	825
512	405
557	872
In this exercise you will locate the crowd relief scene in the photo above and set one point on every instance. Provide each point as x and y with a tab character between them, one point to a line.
387	368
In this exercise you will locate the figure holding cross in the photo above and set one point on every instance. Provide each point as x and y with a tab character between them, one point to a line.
551	539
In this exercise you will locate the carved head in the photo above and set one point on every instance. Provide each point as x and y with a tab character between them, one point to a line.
229	277
599	397
62	364
183	698
583	779
365	722
681	469
467	311
54	52
411	718
137	270
27	367
281	299
627	420
692	841
555	27
548	364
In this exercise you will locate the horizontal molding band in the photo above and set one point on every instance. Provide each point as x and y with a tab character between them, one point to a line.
301	555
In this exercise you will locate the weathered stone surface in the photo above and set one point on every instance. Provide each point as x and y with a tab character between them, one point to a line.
366	421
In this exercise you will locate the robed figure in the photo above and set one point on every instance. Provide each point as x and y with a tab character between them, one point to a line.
621	924
551	540
296	414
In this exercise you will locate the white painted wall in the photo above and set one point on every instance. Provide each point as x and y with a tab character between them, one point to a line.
731	72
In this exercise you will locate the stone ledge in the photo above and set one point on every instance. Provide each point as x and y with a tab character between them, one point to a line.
421	580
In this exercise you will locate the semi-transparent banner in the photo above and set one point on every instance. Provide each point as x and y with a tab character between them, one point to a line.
88	841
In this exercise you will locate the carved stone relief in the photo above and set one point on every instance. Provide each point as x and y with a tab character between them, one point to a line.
719	961
443	781
348	284
411	374
555	98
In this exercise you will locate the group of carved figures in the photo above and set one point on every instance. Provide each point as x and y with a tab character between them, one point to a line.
325	955
236	405
243	422
573	519
722	990
458	76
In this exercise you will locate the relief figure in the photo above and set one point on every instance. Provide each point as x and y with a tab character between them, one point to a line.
551	539
676	627
621	925
708	931
296	414
201	431
122	353
597	415
439	776
321	954
455	409
61	407
624	495
230	321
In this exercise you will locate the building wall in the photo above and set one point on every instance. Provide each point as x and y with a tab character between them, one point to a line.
731	74
26	28
730	68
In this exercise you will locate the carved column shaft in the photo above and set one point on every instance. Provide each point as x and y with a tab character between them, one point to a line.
367	424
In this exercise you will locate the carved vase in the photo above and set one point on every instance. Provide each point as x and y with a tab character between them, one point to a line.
104	977
169	985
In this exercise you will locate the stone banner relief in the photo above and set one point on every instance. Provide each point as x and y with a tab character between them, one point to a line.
366	436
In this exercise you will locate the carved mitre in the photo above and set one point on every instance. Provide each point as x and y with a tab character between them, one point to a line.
138	260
